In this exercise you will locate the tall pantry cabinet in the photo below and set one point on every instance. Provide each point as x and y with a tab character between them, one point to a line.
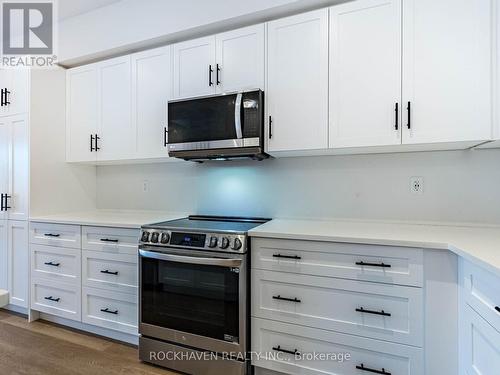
14	186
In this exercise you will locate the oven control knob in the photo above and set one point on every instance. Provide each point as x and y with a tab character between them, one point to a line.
237	244
165	237
154	237
145	236
225	243
213	242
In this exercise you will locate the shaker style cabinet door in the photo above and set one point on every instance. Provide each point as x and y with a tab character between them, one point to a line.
4	160
297	82
151	90
81	113
15	84
446	70
194	67
4	256
240	59
365	73
18	253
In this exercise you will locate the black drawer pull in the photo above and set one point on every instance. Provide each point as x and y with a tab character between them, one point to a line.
362	310
497	308
108	311
52	299
52	264
52	235
110	272
287	299
367	369
108	240
279	349
296	257
383	265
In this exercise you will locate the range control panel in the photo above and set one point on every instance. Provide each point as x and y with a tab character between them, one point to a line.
203	241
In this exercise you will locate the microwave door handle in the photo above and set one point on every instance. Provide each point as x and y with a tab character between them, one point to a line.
191	260
237	115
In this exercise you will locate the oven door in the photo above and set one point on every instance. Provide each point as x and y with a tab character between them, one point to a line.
193	298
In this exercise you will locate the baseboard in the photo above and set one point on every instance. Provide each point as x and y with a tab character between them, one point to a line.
16	309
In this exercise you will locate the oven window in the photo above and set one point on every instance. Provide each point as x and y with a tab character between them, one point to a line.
191	298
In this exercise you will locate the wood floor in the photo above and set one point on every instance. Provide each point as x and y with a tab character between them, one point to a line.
41	348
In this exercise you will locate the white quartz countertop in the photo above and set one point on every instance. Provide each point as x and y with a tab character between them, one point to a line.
108	218
478	244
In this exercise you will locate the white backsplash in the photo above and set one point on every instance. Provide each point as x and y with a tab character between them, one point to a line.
459	186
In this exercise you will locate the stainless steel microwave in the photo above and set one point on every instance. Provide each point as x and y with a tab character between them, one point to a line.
217	127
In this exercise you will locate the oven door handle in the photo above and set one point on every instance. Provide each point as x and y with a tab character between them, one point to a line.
190	259
237	115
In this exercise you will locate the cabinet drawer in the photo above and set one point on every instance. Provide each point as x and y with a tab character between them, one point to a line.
481	290
384	264
480	345
111	310
380	311
110	271
111	240
59	235
59	299
273	337
55	263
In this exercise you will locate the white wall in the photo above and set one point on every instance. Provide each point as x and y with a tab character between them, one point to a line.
136	24
461	186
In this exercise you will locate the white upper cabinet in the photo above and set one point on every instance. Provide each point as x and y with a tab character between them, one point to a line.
447	70
365	73
116	136
194	67
240	59
297	83
81	113
151	90
14	84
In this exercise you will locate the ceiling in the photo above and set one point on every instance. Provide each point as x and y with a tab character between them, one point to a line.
70	8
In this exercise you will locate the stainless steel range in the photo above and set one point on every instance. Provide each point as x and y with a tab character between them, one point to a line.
194	294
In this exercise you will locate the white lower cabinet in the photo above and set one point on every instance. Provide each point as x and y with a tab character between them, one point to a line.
18	260
56	298
58	264
290	349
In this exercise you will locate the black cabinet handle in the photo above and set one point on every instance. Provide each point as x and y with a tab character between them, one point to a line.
4	99
106	310
6	205
92	143
270	127
52	264
287	299
108	272
97	148
408	109
367	369
165	134
51	235
279	349
383	265
52	299
108	240
217	75
2	208
382	312
296	257
396	110
497	308
210	71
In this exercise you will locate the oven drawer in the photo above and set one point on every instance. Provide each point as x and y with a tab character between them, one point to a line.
380	311
383	264
59	235
111	240
55	263
116	272
481	290
56	298
276	338
113	310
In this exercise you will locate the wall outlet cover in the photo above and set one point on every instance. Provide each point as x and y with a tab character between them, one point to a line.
417	185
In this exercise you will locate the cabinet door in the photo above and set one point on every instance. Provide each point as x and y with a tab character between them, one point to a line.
4	256
447	70
4	159
18	168
116	133
365	73
81	113
297	83
16	82
194	67
240	59
151	90
18	250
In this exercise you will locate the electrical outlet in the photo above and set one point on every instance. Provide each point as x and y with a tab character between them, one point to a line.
417	185
145	186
